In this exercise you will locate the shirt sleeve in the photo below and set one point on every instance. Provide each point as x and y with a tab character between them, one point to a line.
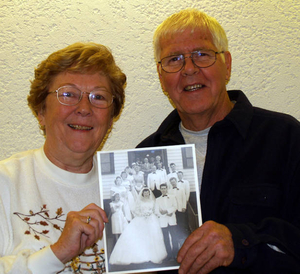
270	241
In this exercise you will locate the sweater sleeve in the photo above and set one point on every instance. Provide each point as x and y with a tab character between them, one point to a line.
44	261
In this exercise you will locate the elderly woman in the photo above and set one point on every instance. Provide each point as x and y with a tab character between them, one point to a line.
50	220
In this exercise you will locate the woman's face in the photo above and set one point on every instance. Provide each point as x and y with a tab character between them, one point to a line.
75	131
118	181
146	194
117	198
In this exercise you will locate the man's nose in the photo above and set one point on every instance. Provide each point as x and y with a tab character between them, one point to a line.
189	66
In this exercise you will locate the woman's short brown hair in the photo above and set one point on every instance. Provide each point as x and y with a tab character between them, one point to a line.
82	58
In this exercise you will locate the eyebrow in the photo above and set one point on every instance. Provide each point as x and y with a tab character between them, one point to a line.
180	52
75	86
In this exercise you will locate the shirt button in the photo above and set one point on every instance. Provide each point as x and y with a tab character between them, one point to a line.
245	242
244	260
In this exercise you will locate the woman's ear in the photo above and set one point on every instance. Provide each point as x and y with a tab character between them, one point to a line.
41	118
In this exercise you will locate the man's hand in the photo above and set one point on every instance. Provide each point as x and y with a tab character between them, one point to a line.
207	248
78	234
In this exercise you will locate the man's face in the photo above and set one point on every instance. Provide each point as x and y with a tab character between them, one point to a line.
173	183
195	90
163	190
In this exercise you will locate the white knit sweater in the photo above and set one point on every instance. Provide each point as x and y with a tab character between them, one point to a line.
35	197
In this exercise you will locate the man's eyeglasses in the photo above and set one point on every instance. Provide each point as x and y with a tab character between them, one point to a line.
201	59
70	96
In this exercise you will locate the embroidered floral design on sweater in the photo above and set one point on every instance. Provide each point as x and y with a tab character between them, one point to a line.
41	218
90	262
40	222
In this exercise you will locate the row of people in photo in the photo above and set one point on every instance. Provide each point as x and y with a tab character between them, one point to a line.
157	175
146	167
129	186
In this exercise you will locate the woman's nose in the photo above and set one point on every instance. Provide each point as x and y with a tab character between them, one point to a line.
84	107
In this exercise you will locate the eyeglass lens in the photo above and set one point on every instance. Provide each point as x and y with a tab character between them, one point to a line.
68	95
201	59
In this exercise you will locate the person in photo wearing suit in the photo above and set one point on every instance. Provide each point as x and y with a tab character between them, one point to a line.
154	181
165	209
172	173
181	214
183	184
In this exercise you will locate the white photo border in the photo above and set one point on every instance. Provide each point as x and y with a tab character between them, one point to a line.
124	158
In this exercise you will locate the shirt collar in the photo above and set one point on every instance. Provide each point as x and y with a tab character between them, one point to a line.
241	114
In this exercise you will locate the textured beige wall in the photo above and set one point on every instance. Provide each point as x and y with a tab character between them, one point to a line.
263	38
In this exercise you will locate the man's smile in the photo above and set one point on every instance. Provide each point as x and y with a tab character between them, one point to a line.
193	87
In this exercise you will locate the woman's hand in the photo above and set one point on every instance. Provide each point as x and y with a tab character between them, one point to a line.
79	234
207	248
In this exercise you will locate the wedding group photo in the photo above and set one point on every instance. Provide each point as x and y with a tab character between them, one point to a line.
150	198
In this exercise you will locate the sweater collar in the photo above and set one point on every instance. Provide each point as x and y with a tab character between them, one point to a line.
66	177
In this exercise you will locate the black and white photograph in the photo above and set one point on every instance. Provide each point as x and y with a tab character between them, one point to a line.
151	199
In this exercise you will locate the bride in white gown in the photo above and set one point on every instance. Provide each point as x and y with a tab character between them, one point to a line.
142	240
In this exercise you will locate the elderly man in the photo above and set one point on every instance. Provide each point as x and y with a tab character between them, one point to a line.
250	183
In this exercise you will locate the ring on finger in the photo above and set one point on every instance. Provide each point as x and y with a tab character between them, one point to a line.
88	219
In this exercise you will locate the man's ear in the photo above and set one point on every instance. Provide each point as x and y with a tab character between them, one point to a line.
228	61
158	67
